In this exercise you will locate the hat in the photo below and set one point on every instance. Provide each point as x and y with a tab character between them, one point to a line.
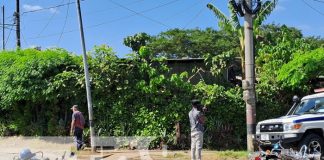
195	102
74	106
26	154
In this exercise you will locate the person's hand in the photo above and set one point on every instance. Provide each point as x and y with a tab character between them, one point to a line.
71	133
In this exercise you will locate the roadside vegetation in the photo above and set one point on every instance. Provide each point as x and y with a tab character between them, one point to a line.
137	95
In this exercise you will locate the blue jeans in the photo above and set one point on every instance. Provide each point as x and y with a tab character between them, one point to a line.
78	140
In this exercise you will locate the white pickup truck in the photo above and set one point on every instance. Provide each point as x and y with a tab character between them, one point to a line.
303	125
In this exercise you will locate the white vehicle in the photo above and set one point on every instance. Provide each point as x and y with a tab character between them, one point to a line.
303	125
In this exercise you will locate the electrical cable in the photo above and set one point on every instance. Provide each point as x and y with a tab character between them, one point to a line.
196	16
109	8
8	27
9	35
87	13
313	8
66	16
47	8
321	1
23	37
106	22
183	11
138	13
48	22
132	15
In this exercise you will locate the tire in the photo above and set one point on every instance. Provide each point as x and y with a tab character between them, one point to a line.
313	142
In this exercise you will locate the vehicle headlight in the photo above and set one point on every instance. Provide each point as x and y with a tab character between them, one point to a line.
291	126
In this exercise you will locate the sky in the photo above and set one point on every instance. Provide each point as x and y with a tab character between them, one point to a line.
54	23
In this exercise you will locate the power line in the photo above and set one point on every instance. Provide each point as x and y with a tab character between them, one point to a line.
23	37
9	28
316	10
48	22
66	16
138	13
106	22
321	1
88	13
47	8
183	11
196	16
9	35
108	9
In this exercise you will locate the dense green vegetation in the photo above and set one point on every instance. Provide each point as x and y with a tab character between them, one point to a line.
137	95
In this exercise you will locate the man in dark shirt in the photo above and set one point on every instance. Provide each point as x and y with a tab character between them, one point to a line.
77	126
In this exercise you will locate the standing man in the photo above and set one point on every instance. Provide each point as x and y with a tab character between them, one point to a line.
197	120
77	126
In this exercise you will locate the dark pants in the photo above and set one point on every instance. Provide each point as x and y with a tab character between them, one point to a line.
78	132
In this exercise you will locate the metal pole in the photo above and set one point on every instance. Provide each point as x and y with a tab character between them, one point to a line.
249	78
86	73
17	15
3	28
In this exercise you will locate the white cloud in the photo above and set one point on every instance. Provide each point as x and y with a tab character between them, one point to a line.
28	7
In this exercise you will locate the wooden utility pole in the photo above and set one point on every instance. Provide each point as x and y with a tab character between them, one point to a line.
17	15
87	79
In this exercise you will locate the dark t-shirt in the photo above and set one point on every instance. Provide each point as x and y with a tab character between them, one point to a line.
78	119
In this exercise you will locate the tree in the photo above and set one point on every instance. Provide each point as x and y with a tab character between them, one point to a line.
302	69
232	24
193	43
37	89
137	41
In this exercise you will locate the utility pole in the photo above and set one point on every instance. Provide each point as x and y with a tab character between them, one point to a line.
245	8
87	79
249	78
17	15
3	28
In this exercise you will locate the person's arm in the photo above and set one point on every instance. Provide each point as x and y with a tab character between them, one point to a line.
72	124
72	127
201	118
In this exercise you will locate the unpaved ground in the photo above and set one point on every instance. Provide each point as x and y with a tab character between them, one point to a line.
151	155
56	147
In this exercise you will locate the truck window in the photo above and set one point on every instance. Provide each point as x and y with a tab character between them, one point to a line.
314	105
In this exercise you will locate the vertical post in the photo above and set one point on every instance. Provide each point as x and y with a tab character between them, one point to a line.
17	15
3	28
249	78
86	73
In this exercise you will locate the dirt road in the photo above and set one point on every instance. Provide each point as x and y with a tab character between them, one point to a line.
56	147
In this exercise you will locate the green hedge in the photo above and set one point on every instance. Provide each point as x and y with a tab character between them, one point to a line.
131	96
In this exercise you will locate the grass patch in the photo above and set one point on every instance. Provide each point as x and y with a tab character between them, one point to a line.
231	154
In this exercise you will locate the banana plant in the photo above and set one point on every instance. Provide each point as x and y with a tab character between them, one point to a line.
232	23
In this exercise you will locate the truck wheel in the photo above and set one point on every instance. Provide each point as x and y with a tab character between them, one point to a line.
313	142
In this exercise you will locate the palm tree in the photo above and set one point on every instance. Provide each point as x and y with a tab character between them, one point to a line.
232	24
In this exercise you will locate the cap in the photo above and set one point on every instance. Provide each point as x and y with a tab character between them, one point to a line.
74	106
26	154
195	102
